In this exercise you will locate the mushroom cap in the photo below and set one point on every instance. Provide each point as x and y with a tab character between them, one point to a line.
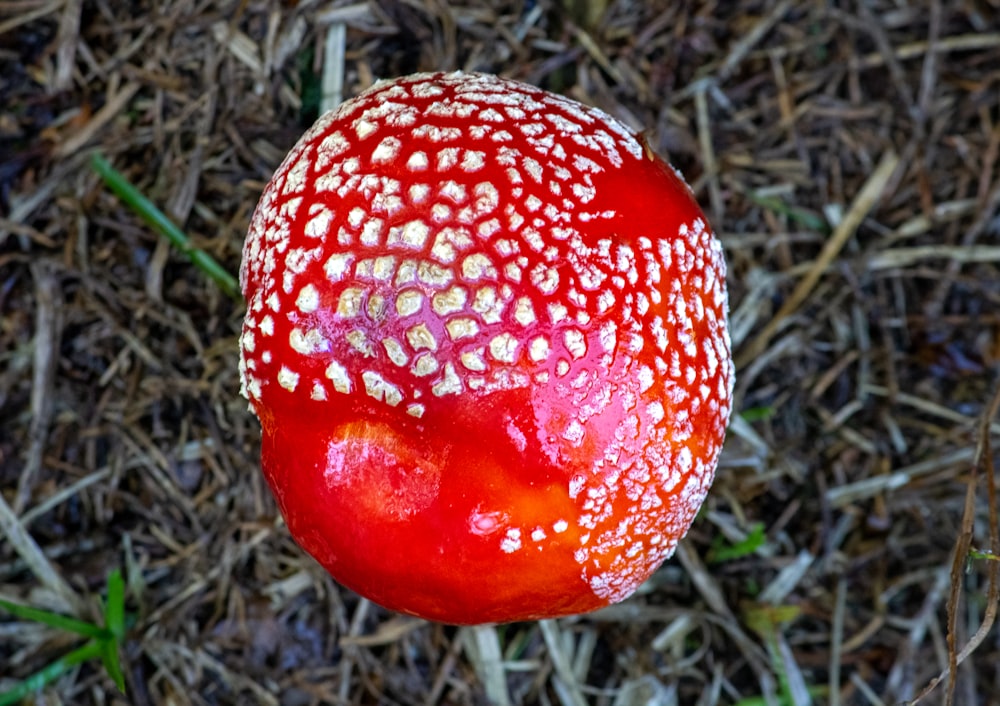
486	339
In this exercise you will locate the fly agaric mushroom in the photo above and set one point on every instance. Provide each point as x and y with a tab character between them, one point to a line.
487	343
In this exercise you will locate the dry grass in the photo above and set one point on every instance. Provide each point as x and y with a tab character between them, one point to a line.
847	154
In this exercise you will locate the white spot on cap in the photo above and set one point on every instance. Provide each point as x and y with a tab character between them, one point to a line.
381	389
584	194
442	250
473	161
365	269
491	116
558	312
462	328
440	213
420	337
645	378
308	299
487	229
438	134
417	162
511	541
539	349
406	273
351	165
487	197
415	410
447	158
363	128
424	365
478	266
288	379
409	302
333	145
434	275
524	312
473	360
387	151
319	225
412	234
337	266
394	349
560	526
307	343
534	169
419	193
267	325
295	182
450	384
449	301
358	340
609	337
576	344
454	191
384	267
504	348
318	392
545	278
349	304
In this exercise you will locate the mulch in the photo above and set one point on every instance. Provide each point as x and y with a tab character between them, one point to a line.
848	156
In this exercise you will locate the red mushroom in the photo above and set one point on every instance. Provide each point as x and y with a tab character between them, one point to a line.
486	340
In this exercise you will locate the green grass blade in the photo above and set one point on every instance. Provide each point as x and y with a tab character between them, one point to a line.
807	219
54	620
114	619
755	539
109	658
114	609
48	674
784	700
158	221
757	414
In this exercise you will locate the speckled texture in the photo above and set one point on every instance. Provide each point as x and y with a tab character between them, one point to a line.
486	339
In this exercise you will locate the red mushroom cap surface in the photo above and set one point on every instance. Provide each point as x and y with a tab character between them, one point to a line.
486	339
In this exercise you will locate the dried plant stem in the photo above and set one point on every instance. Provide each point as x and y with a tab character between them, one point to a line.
482	645
982	466
865	200
29	551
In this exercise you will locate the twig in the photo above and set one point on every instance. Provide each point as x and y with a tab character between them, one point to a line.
837	640
749	40
983	465
959	254
862	204
109	111
27	548
48	330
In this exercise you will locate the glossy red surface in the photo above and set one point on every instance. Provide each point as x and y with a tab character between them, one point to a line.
486	340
